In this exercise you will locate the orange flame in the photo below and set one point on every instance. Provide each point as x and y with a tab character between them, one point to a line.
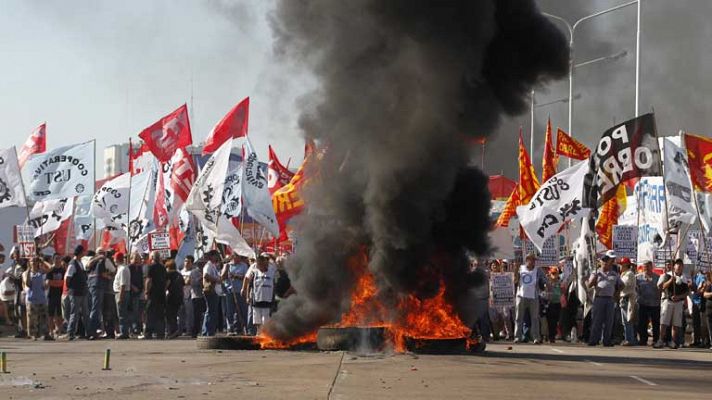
266	342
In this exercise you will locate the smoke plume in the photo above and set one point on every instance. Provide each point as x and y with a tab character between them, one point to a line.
404	85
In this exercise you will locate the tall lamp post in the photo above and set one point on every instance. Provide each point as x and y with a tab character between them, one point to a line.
572	65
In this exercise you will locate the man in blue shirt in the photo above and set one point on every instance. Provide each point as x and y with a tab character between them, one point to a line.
233	274
698	310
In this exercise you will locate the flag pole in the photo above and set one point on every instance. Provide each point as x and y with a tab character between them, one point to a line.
128	206
94	181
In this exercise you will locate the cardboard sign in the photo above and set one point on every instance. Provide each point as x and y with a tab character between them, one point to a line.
625	241
502	289
161	242
24	236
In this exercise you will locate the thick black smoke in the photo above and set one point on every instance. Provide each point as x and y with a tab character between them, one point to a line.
403	85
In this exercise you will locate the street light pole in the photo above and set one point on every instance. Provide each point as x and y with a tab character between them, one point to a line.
572	31
637	63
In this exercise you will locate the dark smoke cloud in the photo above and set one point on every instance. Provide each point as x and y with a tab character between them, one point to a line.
403	83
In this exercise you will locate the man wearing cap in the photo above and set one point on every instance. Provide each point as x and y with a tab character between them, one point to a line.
675	288
212	289
648	303
605	282
262	278
628	301
529	281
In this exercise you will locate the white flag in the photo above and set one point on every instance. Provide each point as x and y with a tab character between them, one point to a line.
232	194
64	172
205	197
652	221
47	216
10	180
255	191
558	200
111	202
681	208
140	210
229	235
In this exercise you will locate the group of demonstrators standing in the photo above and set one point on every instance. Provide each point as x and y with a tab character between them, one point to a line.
98	295
624	304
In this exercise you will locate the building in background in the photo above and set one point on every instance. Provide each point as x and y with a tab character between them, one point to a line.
116	159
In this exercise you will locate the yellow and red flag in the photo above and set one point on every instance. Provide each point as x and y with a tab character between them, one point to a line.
611	210
509	210
699	158
528	182
569	147
551	159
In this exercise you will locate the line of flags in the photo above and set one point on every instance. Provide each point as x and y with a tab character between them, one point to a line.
162	191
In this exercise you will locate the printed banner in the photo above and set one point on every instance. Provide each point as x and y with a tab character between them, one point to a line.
61	173
652	227
557	201
626	151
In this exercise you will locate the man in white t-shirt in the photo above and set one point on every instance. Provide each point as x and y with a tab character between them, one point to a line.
212	289
529	281
261	296
122	290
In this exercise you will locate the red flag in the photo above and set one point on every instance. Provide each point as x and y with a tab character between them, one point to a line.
36	143
699	156
160	211
233	125
168	134
182	175
550	159
569	147
608	217
277	174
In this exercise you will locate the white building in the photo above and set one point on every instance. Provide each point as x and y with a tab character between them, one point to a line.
116	159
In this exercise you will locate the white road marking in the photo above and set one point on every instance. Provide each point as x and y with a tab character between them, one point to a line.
557	350
594	363
645	381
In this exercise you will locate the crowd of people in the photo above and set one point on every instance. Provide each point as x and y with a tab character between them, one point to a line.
104	295
623	304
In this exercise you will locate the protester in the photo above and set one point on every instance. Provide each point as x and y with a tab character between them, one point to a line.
122	290
66	301
233	274
675	288
480	298
262	294
553	310
55	281
35	284
77	289
155	291
628	302
186	312
135	308
7	296
500	317
707	296
529	281
197	298
648	303
605	283
212	289
15	271
98	278
698	310
174	299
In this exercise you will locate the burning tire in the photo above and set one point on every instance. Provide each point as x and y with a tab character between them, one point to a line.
228	343
351	338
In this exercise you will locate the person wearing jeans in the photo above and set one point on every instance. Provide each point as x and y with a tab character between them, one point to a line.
76	281
122	288
155	291
648	304
212	289
605	283
628	302
529	281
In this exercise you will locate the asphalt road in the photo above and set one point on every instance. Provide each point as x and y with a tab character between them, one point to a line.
177	370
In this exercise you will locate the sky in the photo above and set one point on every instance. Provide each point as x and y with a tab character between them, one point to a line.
106	70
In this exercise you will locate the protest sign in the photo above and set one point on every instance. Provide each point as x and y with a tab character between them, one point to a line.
625	241
161	242
502	289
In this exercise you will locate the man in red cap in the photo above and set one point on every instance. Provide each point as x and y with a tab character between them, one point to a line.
628	301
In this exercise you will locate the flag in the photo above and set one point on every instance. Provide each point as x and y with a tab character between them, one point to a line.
67	171
233	125
140	218
528	183
625	151
231	205
258	201
46	216
287	201
205	198
36	143
569	147
168	134
608	217
510	209
162	203
550	160
584	249
110	203
556	202
680	203
140	159
277	174
699	158
10	180
181	178
652	216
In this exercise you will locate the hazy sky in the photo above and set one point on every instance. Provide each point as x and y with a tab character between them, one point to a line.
107	69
